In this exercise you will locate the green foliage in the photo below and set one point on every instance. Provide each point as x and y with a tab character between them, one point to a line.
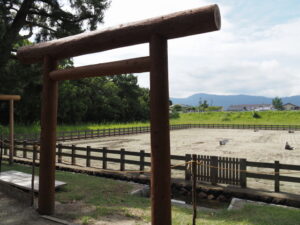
103	99
266	117
174	114
256	115
203	105
277	103
45	20
177	108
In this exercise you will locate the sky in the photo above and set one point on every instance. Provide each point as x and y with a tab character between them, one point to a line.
256	52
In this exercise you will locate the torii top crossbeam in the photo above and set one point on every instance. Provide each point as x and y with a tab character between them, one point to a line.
175	25
156	32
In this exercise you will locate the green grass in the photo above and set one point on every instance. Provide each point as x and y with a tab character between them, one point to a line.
267	117
110	197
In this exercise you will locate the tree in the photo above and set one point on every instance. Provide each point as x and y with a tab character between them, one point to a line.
203	105
277	103
178	108
45	20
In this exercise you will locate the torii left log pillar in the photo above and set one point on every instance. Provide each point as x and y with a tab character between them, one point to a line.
11	99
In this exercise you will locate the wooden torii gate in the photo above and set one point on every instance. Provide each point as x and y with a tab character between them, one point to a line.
11	99
156	32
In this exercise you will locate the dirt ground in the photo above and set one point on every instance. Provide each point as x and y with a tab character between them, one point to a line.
259	146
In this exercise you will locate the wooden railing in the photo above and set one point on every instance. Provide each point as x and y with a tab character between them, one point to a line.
211	169
86	134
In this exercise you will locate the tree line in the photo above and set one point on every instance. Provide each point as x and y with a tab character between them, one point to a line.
101	99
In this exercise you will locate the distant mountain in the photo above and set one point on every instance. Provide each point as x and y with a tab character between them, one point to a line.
227	100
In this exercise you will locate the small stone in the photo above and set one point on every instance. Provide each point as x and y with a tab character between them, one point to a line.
202	195
210	197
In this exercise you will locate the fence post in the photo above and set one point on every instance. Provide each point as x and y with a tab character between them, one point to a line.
276	176
243	174
214	170
104	165
194	194
24	150
14	148
73	160
122	159
5	147
142	161
59	151
188	158
88	154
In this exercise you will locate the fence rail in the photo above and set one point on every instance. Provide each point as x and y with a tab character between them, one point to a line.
86	134
212	169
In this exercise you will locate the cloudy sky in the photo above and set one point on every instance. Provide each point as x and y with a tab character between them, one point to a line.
257	51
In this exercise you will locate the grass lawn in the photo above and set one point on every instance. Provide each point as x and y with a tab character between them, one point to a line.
107	197
267	117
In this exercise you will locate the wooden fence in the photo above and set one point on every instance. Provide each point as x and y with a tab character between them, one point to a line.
86	134
211	169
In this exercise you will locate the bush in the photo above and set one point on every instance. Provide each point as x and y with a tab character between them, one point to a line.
256	115
174	115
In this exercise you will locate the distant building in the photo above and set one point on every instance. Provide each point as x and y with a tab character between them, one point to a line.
290	106
250	107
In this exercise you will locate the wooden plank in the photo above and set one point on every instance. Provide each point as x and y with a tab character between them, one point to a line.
243	178
260	164
289	179
10	97
259	176
289	167
214	170
136	65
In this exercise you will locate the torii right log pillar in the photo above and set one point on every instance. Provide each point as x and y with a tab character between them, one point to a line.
160	133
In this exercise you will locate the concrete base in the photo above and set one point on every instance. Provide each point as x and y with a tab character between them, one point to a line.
23	180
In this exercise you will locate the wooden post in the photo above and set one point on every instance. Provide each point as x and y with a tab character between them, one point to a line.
142	161
104	156
73	160
33	173
214	170
160	133
48	140
194	193
24	150
88	155
11	132
188	158
1	152
276	176
243	174
59	153
122	159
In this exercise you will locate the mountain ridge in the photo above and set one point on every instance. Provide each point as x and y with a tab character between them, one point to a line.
227	100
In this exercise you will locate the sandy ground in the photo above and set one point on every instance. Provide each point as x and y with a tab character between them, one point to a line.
12	212
260	146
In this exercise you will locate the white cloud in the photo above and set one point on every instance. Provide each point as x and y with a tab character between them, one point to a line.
231	61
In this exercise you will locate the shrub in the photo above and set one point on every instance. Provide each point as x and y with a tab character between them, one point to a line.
256	115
